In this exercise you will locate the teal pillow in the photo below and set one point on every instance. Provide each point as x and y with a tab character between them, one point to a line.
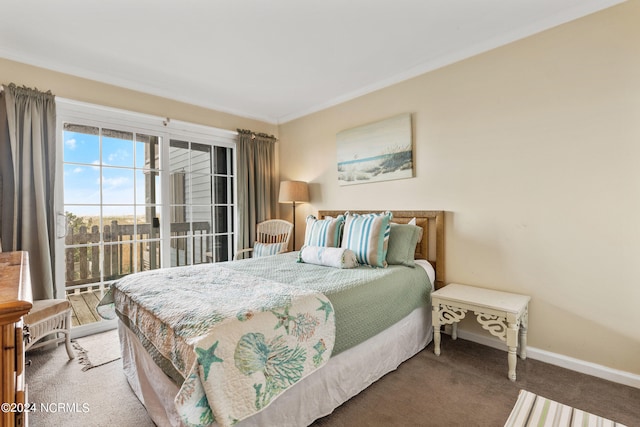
323	232
368	237
402	244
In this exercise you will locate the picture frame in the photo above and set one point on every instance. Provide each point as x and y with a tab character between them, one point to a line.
379	151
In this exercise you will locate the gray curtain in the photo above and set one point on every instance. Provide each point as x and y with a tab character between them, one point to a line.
257	183
27	169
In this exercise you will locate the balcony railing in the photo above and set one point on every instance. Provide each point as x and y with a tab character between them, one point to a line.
83	264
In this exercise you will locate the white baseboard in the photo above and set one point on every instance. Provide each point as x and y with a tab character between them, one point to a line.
584	367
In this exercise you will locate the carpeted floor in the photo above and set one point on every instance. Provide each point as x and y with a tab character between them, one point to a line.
98	397
466	386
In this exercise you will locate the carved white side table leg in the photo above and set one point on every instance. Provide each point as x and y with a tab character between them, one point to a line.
435	319
513	326
523	333
443	314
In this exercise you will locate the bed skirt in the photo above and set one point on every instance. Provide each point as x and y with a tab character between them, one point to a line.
344	376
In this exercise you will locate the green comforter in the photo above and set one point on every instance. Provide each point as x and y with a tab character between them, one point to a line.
366	300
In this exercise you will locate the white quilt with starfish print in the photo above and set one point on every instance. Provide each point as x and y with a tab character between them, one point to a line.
237	340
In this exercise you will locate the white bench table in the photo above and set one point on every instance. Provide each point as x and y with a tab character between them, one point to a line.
503	314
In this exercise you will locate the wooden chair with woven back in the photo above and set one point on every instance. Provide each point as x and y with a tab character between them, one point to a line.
272	238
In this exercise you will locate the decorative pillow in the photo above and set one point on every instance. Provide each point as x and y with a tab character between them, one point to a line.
368	237
323	232
330	257
413	222
267	249
402	244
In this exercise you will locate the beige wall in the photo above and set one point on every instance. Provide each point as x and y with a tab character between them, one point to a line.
534	150
66	86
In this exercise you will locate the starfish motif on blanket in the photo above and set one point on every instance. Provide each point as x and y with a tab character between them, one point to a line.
326	307
284	319
302	325
206	358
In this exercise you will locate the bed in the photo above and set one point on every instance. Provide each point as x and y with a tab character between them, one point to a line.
327	300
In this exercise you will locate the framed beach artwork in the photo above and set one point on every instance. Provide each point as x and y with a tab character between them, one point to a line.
379	151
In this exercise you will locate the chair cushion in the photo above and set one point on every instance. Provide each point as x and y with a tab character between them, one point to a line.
46	308
267	249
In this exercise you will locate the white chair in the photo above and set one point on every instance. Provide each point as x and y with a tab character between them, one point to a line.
46	317
272	237
50	316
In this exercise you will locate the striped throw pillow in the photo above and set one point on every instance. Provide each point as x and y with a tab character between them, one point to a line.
267	249
368	237
323	232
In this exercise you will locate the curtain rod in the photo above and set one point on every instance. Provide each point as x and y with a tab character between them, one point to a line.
254	135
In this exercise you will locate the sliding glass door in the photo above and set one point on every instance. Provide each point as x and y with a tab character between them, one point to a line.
112	206
201	206
134	197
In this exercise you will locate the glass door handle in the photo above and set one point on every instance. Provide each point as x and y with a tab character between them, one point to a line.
61	224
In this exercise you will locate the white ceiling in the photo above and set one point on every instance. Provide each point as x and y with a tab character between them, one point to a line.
272	60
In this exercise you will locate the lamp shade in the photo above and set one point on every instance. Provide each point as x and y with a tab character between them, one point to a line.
293	192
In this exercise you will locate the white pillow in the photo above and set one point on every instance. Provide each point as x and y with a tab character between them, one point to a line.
330	257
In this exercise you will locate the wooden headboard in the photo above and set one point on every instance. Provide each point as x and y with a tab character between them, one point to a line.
431	247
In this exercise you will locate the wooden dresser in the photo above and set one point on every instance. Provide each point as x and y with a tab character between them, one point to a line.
15	302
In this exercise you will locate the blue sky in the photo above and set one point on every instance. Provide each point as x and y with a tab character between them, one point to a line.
82	171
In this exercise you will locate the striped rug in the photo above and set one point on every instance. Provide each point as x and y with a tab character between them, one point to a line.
533	410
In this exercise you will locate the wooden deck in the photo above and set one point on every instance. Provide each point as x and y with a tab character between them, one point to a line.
84	307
